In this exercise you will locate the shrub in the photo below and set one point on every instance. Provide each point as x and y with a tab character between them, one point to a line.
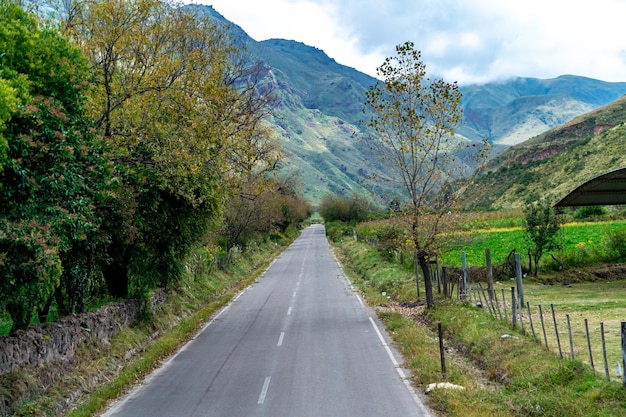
346	209
614	242
337	230
589	211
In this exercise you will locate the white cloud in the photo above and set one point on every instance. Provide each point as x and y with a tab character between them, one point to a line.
469	41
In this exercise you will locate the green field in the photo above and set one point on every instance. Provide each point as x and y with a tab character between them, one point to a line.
580	240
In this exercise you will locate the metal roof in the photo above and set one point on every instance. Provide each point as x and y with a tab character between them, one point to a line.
604	190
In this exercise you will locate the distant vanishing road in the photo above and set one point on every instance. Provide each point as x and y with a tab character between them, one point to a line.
297	343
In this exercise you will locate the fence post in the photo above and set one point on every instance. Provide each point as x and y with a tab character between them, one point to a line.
490	290
624	353
513	307
556	331
571	341
543	327
606	363
506	316
589	344
530	319
441	349
520	285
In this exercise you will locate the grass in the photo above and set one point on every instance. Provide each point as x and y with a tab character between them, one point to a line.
502	377
103	372
598	302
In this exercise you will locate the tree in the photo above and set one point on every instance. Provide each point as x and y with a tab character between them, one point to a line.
178	103
412	121
353	209
261	209
541	227
55	169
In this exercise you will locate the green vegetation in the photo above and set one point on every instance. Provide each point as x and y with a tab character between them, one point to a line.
512	376
580	243
105	371
351	210
119	158
541	227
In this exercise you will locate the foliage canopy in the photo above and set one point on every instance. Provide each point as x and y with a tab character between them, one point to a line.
412	122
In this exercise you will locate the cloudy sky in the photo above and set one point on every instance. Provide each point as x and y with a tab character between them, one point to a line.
461	40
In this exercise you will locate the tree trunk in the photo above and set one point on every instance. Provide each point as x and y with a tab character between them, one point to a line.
428	283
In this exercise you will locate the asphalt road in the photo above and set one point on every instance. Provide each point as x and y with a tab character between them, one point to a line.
297	343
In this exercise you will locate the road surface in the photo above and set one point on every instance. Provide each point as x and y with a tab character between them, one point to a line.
297	343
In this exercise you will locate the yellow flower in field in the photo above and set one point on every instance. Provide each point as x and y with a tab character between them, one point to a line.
580	244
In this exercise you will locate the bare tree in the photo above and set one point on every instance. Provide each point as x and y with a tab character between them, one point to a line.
412	121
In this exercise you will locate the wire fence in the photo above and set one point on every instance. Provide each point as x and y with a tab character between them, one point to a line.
601	343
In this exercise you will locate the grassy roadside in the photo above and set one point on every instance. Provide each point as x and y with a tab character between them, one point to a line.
103	372
512	376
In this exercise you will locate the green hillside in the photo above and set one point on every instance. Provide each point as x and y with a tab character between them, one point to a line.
554	163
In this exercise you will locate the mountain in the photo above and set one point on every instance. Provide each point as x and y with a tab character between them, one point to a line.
510	112
554	163
321	103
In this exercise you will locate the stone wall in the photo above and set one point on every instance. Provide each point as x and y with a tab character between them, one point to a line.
50	348
58	341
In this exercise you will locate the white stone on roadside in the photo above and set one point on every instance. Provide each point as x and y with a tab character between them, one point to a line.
442	385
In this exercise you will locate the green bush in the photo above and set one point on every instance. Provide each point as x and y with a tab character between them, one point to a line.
336	230
589	211
614	242
346	209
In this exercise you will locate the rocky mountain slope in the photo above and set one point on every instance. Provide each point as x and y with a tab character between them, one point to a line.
554	163
321	105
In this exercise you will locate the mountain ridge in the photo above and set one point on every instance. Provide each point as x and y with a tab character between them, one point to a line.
321	102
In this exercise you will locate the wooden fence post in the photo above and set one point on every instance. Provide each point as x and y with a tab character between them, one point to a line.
606	363
556	331
589	345
490	290
530	319
513	307
441	349
624	353
520	285
543	327
506	316
571	341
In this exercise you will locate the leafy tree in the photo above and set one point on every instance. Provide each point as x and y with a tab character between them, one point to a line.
541	227
252	213
412	121
178	103
53	173
352	209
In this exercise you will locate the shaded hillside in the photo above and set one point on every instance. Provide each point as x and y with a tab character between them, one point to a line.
555	162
